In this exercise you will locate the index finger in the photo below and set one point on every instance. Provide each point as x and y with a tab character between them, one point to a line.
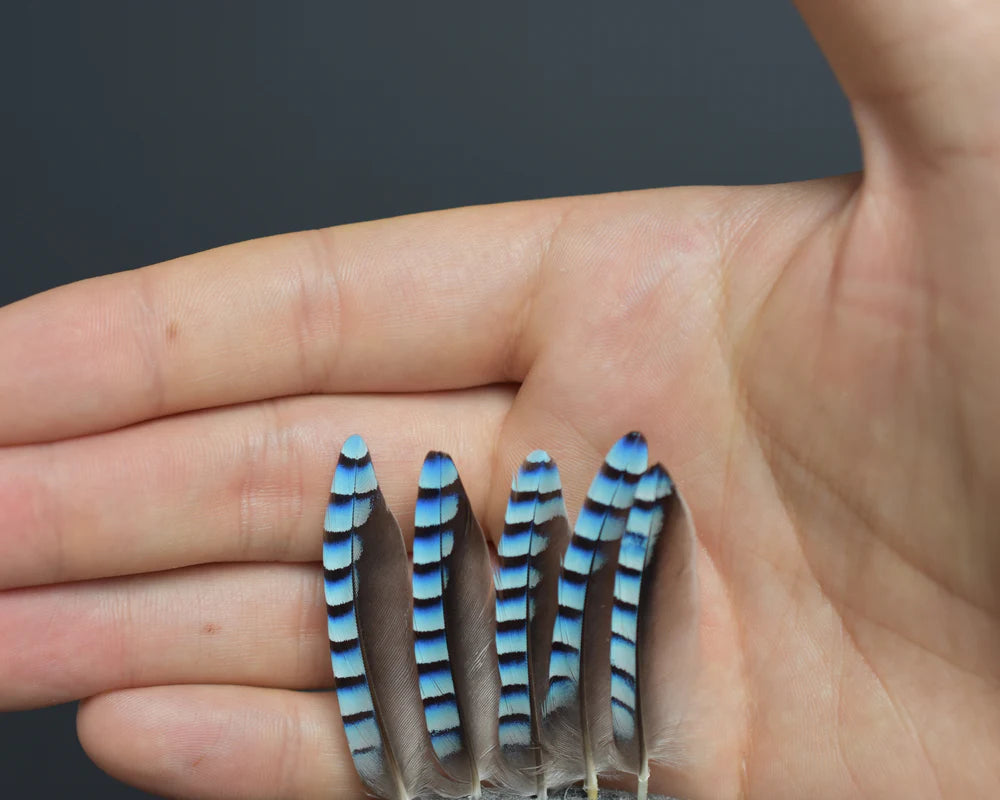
427	302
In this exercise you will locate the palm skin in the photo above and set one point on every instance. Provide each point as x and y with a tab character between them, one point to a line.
814	363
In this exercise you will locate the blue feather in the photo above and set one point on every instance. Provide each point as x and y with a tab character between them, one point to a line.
349	508
452	616
437	505
534	537
642	531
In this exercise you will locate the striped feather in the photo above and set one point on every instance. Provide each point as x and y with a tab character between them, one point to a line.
642	532
350	506
534	538
654	648
452	623
577	712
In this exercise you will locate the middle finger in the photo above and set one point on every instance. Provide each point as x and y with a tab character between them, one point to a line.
243	483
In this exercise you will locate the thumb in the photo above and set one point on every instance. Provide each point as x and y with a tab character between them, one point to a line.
923	76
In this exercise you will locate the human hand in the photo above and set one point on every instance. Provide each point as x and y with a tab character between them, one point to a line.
815	363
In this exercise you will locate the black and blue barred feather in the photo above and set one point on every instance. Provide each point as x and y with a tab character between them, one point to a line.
639	543
534	538
433	542
351	503
577	717
453	625
654	649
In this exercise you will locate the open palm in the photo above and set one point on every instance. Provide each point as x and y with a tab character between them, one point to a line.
816	364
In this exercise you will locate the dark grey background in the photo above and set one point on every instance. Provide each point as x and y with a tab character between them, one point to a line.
137	131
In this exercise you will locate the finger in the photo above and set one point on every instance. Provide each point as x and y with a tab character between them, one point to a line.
427	302
221	742
259	624
922	75
242	483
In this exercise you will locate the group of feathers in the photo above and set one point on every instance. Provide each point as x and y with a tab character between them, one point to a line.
511	680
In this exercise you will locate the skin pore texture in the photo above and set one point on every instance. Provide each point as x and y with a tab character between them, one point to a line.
815	363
